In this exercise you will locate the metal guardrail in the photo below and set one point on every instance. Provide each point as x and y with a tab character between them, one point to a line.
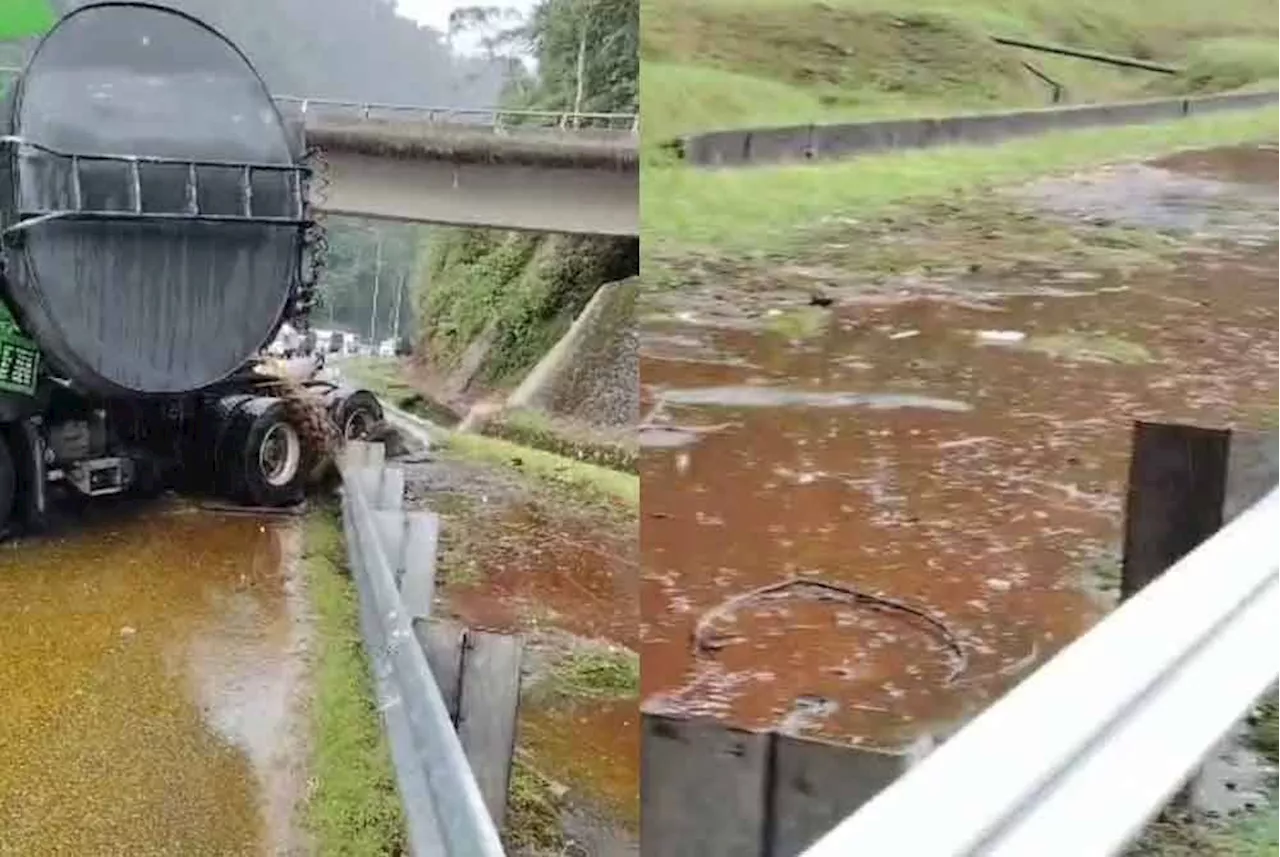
493	117
391	555
1081	754
487	117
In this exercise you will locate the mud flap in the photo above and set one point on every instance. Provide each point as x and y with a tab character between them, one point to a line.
26	447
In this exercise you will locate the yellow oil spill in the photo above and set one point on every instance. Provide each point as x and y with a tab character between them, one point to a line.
149	671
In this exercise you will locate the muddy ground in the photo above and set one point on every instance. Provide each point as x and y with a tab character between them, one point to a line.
154	671
518	557
934	407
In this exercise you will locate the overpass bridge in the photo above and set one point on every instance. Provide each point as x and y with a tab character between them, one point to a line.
537	170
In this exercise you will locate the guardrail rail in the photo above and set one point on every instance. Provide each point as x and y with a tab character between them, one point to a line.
391	554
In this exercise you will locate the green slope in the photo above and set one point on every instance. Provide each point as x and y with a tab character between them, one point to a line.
715	63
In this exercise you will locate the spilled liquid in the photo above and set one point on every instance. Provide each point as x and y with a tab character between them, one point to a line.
537	569
150	675
903	454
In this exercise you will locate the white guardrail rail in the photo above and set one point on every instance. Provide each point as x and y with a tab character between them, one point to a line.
485	117
1079	756
391	554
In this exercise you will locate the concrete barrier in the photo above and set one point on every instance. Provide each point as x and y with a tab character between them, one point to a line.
750	146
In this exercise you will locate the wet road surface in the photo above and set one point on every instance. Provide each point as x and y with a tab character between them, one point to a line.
964	457
151	670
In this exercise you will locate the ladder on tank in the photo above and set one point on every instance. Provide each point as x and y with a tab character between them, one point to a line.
50	185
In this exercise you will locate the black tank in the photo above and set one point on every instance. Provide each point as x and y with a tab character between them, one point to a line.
162	267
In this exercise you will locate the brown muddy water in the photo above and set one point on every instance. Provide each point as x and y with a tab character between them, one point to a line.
565	578
965	458
151	676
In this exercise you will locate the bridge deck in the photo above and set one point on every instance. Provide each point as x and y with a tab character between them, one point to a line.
477	144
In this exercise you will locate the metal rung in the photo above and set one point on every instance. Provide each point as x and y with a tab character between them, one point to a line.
135	188
134	209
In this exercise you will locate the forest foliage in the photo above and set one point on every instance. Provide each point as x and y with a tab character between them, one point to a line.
521	291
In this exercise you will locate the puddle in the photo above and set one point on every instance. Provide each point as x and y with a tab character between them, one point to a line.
531	570
566	578
151	670
980	515
774	397
1222	194
595	746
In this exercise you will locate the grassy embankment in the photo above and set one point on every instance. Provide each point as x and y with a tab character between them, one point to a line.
353	806
592	480
712	64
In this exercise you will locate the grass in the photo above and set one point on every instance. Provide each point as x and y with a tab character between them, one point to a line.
712	64
353	807
841	59
1230	62
768	210
534	429
592	674
593	481
533	813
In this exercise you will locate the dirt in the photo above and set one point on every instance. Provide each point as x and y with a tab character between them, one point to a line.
517	559
155	674
955	441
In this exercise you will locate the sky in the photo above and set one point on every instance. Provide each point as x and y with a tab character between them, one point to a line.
435	14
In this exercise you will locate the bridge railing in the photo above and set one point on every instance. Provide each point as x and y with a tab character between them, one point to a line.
391	555
1080	755
489	117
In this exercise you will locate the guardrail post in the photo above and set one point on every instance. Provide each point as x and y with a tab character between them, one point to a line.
418	585
708	789
478	674
1177	482
1185	484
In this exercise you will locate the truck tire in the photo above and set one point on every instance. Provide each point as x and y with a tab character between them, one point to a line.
358	414
225	457
262	459
273	471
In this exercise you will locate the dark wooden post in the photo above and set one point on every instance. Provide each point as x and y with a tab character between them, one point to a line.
1177	482
1185	483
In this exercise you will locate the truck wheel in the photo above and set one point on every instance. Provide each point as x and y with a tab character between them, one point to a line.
273	469
358	414
224	457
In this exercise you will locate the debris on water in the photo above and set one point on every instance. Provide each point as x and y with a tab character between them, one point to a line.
904	334
780	397
1000	336
128	631
806	712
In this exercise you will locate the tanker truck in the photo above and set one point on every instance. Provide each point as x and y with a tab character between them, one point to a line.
156	231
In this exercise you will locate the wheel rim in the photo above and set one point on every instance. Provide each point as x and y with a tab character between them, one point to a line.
358	424
280	455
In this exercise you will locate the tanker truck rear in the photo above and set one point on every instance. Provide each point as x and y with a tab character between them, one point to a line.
157	230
